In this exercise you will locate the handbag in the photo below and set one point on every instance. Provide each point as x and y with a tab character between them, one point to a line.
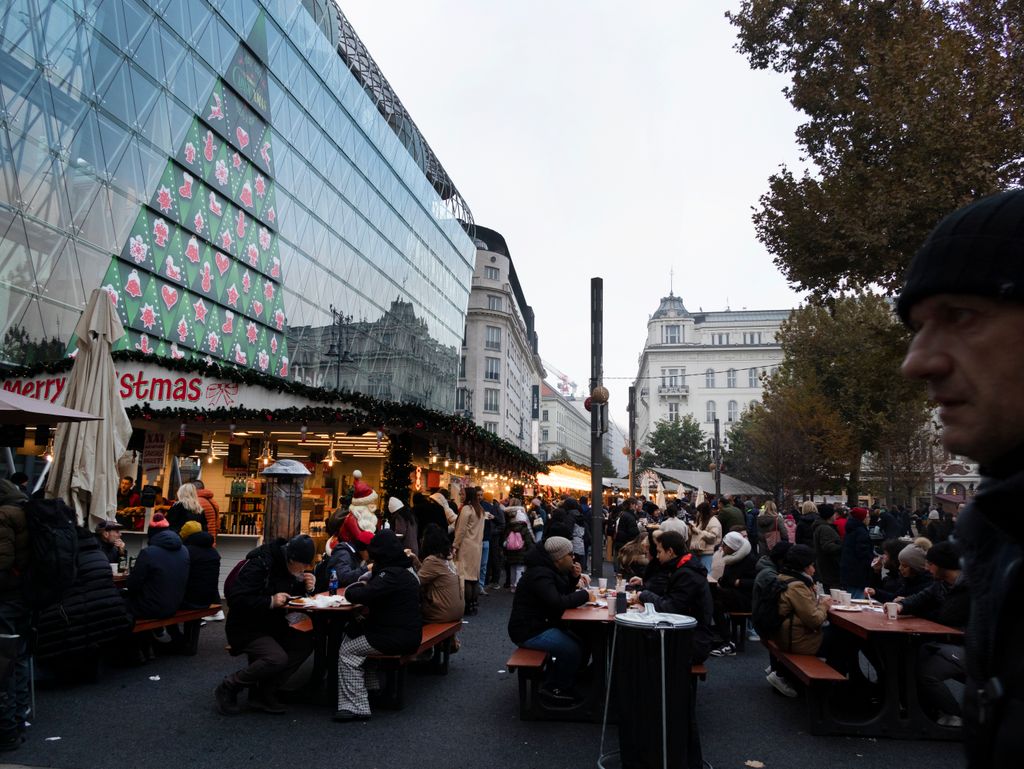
771	538
514	541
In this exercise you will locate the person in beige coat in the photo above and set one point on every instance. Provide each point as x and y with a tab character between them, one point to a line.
705	534
802	610
468	547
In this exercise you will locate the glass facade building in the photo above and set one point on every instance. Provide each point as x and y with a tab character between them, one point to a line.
240	179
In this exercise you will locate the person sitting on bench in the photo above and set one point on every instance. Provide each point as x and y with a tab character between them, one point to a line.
257	624
552	583
393	623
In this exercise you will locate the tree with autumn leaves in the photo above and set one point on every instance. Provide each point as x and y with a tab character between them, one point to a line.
913	108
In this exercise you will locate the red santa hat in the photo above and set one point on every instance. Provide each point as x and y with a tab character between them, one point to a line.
362	494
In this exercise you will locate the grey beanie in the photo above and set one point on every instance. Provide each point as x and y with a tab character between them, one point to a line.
977	250
557	547
914	557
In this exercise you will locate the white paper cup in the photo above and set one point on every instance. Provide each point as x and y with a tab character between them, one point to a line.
113	568
847	598
836	594
322	601
602	583
892	611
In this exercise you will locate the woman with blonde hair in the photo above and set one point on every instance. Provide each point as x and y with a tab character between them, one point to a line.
186	509
770	528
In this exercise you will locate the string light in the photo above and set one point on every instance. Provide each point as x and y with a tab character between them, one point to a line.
48	453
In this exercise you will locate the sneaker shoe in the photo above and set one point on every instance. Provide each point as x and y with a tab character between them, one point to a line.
227	699
344	716
483	591
948	720
161	637
558	698
218	617
725	650
753	636
781	685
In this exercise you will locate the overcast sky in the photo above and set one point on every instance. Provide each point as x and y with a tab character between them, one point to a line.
602	139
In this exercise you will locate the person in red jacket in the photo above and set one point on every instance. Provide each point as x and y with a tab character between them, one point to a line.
210	509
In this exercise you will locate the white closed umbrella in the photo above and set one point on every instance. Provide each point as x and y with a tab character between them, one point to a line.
84	472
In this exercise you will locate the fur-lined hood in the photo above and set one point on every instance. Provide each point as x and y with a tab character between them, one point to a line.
739	555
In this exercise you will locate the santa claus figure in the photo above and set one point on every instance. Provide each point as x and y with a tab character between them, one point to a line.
362	517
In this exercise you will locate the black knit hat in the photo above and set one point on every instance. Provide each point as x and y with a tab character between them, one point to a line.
799	557
301	549
944	555
976	250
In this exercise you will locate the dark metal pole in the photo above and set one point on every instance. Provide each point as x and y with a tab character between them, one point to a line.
596	484
718	462
631	409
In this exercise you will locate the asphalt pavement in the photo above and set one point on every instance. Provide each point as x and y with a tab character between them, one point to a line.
162	716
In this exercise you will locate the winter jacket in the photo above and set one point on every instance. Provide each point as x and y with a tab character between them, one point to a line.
406	527
990	532
805	529
14	544
903	587
704	541
542	595
203	585
767	571
250	616
741	566
856	557
656	576
89	614
392	596
211	511
156	586
345	562
427	511
687	592
803	616
441	598
468	543
941	602
891	525
178	515
730	516
828	549
768	526
518	557
626	529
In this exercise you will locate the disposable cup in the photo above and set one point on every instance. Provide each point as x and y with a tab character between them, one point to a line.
892	611
836	595
113	568
847	598
602	583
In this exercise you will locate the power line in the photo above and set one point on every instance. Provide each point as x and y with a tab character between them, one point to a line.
682	376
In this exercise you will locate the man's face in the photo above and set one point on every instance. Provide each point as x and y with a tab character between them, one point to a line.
296	569
125	485
564	564
664	556
110	535
970	351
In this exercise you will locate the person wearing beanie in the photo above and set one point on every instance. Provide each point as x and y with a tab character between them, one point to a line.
963	300
404	523
857	554
768	567
947	600
734	589
203	585
911	568
391	595
257	593
803	611
551	584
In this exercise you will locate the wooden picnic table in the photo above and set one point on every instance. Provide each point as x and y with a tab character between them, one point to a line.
896	645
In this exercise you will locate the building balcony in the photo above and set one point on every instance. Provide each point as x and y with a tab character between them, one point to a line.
664	390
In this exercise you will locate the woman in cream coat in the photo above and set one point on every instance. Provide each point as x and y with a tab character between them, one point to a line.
468	547
705	534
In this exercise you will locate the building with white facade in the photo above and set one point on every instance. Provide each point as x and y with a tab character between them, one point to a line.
706	364
500	365
563	425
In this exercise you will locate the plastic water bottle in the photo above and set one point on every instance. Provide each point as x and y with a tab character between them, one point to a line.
332	586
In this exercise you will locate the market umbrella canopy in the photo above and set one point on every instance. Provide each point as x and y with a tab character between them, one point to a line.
84	471
19	410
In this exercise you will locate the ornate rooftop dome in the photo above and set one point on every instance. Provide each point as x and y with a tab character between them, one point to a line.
671	307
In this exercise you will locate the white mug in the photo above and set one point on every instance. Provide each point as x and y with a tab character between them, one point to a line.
891	610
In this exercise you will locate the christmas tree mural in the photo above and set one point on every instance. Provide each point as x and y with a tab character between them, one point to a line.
200	275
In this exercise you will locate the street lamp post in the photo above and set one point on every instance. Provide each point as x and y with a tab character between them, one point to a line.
338	321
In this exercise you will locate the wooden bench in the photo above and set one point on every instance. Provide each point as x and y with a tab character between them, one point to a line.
192	619
436	636
529	664
738	628
816	675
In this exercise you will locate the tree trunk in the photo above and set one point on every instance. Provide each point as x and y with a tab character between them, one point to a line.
853	487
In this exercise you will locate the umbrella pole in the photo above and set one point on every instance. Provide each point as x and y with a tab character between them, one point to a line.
10	460
42	476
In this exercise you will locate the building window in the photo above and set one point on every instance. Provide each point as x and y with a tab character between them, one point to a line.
544	434
751	337
673	412
492	372
709	378
494	302
492	273
493	338
719	339
671	377
491	400
734	411
462	399
670	334
491	427
730	378
752	378
711	413
462	367
544	415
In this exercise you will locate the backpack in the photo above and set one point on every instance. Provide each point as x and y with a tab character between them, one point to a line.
53	548
765	617
514	541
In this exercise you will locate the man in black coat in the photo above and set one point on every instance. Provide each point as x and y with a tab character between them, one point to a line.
964	302
257	624
687	591
857	554
202	587
156	586
551	584
393	623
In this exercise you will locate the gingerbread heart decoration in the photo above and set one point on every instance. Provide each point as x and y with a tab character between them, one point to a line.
169	295
222	262
243	137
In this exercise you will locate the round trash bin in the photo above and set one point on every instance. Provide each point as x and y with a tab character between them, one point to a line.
653	694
